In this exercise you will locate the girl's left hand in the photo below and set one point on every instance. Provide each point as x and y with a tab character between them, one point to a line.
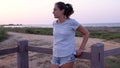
78	52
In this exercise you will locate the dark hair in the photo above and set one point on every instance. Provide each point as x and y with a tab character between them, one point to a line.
68	10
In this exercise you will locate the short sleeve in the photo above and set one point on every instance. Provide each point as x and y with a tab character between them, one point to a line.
75	25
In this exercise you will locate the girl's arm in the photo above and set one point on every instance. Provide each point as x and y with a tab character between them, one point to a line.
85	34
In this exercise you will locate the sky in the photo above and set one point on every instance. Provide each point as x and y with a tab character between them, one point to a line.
40	11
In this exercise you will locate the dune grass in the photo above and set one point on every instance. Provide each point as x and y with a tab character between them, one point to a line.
3	34
112	62
41	31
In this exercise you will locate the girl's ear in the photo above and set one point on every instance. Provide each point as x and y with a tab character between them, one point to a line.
63	11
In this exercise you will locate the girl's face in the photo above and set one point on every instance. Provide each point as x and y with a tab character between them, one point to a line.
57	12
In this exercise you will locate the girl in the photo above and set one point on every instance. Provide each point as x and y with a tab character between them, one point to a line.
64	37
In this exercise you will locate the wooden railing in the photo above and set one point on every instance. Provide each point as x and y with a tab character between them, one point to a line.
96	56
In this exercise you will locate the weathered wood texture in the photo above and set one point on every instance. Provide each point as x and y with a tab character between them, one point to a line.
97	56
8	51
22	55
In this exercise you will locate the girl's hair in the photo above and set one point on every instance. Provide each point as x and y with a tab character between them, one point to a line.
68	9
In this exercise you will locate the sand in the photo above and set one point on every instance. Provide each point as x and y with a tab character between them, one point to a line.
38	60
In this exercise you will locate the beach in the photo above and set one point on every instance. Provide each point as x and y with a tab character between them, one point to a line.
38	60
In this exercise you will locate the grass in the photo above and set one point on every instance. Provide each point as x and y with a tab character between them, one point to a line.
3	34
42	31
106	35
112	62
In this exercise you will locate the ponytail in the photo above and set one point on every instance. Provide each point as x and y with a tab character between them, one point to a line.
69	10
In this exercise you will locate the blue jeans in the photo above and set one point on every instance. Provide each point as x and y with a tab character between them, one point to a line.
63	60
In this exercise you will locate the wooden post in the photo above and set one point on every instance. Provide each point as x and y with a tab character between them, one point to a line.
22	55
97	56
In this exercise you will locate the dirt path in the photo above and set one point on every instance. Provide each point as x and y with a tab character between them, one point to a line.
40	60
47	41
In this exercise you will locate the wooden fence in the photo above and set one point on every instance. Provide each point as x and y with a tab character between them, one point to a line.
96	56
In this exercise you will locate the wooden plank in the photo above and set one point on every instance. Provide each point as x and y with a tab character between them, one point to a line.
85	55
8	51
22	55
97	56
115	51
40	50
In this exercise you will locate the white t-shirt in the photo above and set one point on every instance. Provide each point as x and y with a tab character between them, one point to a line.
64	37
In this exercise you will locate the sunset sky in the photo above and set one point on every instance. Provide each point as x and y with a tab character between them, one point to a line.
40	11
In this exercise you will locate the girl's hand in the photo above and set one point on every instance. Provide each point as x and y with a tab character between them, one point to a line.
78	52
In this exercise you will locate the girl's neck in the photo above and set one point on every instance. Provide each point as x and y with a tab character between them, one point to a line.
62	19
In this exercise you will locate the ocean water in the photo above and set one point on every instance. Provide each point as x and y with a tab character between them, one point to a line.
86	25
102	25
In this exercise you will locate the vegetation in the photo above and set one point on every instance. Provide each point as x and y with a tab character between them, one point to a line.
42	31
113	62
3	34
108	33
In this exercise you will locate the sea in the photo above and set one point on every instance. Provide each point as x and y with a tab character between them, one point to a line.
86	25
